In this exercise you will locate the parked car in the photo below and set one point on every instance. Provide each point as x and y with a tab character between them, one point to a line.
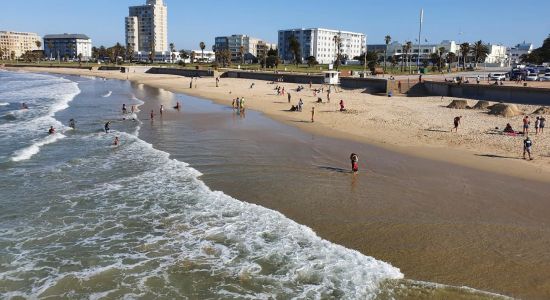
532	77
498	76
545	77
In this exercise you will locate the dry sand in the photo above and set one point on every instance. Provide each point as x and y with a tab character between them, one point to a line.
418	126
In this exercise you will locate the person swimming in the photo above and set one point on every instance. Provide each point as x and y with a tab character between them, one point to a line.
107	127
24	106
52	130
116	141
72	123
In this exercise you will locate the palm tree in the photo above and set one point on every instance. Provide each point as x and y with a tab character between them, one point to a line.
408	47
338	43
152	52
441	51
172	50
480	52
451	56
295	47
202	46
71	50
403	49
50	46
1	54
387	39
464	51
241	52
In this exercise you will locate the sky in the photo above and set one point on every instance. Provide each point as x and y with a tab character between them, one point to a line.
190	22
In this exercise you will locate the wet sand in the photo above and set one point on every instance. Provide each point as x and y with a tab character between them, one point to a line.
436	221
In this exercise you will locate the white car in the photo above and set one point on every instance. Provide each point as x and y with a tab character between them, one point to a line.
545	77
532	77
498	76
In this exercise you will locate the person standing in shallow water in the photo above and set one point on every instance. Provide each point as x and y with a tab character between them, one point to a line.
354	158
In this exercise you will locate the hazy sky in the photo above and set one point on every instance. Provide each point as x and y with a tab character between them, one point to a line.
190	22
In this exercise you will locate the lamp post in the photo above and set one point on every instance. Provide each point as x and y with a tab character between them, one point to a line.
419	40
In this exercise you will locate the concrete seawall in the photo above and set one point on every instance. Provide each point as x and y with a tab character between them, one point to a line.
371	85
181	72
511	94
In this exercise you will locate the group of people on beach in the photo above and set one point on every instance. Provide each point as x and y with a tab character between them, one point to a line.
540	123
238	104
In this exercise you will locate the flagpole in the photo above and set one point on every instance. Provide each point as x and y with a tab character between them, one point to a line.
419	40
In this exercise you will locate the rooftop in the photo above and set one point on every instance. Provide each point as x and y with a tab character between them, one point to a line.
67	36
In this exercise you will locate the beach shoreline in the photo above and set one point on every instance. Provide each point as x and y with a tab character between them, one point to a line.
431	142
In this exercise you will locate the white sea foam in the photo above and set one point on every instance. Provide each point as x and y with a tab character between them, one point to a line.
4	104
30	151
109	93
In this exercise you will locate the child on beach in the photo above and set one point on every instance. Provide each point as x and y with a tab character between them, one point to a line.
456	123
342	105
527	144
354	162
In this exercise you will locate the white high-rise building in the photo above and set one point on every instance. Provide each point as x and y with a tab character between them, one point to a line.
147	27
322	44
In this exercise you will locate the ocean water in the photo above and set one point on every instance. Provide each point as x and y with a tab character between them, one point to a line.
81	218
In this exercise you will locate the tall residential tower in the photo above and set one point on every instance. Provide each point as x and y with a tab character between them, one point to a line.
146	27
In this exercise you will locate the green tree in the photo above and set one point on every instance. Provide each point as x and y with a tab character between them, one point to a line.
464	51
172	50
1	54
387	40
38	44
202	46
408	47
311	61
295	48
12	55
541	54
441	52
152	52
241	53
451	57
272	52
338	44
50	47
480	52
71	48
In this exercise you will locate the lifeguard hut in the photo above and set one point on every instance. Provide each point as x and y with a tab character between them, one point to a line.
332	77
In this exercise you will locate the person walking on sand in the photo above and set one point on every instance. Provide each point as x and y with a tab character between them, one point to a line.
217	81
342	108
300	104
233	103
354	163
116	141
537	124
526	123
152	115
456	122
191	83
542	120
161	109
288	97
527	144
312	114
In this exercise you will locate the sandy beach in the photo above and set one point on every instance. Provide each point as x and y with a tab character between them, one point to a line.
454	208
418	126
